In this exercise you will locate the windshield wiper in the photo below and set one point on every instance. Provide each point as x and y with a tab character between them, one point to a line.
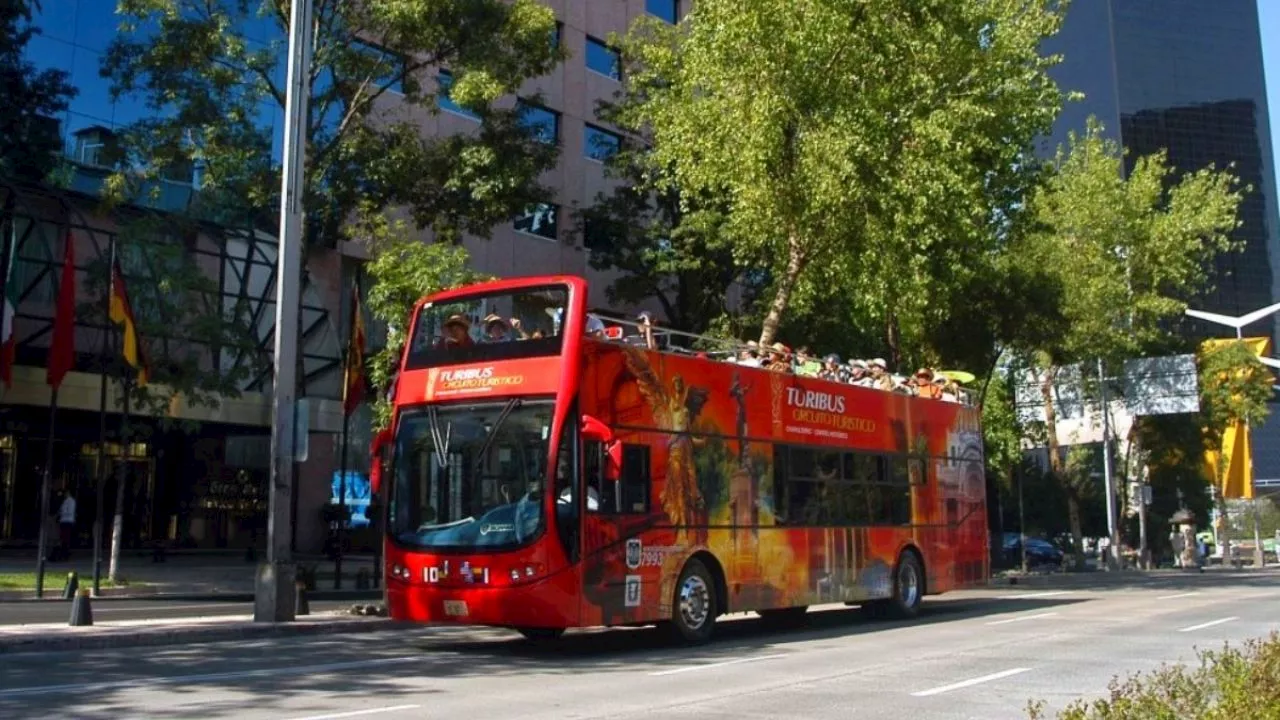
512	404
441	443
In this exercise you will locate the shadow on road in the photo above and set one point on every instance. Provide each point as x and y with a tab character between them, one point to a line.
223	679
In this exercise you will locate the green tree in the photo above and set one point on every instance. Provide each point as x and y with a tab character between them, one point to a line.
208	86
867	142
403	271
199	349
1235	387
666	247
1125	251
29	141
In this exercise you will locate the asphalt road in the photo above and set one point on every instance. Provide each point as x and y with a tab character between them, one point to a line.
25	613
980	654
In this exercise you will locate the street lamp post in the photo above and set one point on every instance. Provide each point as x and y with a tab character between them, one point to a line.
274	592
1239	323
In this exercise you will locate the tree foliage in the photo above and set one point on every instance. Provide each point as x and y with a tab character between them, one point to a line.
868	144
199	347
665	246
404	270
210	90
1127	252
29	141
1234	387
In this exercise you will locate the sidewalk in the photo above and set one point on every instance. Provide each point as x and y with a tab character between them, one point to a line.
1162	576
181	574
59	637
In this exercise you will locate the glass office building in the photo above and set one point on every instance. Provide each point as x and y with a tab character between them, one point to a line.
1185	76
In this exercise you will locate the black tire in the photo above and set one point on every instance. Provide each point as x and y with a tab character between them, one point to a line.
908	587
785	617
539	635
695	605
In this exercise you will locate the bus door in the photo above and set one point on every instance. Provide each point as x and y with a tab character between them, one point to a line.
605	529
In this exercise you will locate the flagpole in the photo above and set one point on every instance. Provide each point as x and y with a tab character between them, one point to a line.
342	451
43	544
99	471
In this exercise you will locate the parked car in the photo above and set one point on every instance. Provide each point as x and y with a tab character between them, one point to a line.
1039	552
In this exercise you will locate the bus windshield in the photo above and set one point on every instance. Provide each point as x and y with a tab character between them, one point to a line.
471	476
492	326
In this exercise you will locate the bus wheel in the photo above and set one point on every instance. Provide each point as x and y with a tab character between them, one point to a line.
693	614
541	634
908	591
785	617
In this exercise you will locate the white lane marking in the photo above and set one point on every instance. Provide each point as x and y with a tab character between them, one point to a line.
1209	624
205	677
708	666
1179	595
165	608
1034	595
970	683
1021	618
358	713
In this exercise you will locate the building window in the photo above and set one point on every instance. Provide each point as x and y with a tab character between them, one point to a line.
668	10
600	144
603	59
600	234
557	35
541	220
389	71
542	124
445	80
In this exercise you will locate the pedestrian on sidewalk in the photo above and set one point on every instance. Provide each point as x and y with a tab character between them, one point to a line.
66	524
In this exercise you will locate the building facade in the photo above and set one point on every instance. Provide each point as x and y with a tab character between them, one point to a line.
197	476
1186	77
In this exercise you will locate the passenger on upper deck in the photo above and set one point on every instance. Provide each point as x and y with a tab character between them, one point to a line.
457	331
496	329
833	370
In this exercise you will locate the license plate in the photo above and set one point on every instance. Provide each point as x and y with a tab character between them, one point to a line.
455	608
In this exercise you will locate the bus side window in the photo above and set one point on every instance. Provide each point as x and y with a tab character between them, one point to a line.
633	486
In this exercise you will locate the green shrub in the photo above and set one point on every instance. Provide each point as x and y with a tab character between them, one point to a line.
1231	684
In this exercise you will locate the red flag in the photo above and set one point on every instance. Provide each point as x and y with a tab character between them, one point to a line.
62	350
353	377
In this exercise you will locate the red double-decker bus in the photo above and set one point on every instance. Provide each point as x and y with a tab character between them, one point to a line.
541	477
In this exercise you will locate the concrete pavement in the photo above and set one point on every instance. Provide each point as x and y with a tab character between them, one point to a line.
978	654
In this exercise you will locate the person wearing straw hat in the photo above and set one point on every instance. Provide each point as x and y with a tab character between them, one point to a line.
457	331
880	377
496	329
925	385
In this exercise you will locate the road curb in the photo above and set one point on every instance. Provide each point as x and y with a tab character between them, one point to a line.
55	595
104	638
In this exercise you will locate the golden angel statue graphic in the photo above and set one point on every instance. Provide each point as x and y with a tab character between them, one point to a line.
675	410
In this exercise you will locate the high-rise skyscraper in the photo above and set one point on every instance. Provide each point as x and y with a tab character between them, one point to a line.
1185	76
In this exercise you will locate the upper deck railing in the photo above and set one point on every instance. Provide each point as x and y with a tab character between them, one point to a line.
927	383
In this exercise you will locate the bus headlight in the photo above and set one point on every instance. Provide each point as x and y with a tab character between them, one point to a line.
515	575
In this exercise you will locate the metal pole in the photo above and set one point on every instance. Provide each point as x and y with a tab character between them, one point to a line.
99	470
122	479
275	594
1022	523
1143	560
45	482
1112	530
342	501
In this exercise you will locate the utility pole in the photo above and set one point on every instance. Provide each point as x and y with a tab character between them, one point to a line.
274	592
1108	478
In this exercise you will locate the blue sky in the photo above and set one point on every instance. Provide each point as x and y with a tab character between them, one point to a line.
1269	20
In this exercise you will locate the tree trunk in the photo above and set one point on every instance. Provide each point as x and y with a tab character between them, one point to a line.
786	284
893	337
1056	469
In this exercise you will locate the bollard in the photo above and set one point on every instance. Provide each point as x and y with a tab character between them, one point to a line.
302	607
81	613
363	579
72	584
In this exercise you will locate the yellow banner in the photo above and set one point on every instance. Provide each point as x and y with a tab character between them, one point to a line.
1237	450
